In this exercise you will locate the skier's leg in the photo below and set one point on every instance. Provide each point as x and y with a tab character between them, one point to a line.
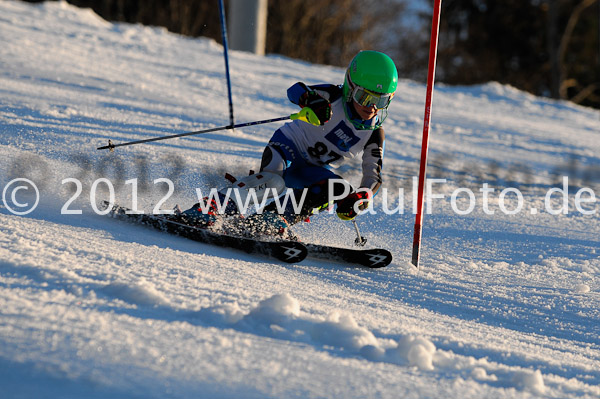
272	161
314	184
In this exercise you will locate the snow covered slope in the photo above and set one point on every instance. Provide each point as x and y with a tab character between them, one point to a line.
505	305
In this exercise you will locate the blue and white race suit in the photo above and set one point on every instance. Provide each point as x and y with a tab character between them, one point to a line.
303	153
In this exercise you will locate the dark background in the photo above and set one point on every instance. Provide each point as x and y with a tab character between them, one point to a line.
546	47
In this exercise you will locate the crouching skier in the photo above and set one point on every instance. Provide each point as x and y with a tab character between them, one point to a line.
338	122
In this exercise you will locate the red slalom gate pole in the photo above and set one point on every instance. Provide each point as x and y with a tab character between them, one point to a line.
435	29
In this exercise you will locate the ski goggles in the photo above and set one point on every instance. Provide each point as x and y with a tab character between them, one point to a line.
368	98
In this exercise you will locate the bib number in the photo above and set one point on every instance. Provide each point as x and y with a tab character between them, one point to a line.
320	149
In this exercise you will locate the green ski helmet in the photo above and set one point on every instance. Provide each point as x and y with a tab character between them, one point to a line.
371	80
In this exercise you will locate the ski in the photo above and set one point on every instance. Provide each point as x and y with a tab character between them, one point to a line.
372	258
285	251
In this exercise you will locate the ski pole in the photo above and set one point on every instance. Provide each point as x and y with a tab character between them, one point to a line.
360	240
112	146
226	56
306	115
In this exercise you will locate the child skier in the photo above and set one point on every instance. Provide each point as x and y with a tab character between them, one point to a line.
340	122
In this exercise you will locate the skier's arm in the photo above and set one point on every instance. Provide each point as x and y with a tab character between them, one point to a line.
371	181
315	103
327	91
373	161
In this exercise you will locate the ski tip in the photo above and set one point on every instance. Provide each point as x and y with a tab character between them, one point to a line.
376	258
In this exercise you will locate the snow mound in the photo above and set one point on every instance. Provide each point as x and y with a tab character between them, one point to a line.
276	309
581	289
280	316
141	293
343	331
418	351
530	380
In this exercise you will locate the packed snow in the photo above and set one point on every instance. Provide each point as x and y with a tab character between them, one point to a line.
505	304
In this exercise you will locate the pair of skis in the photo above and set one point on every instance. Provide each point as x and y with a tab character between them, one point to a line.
285	251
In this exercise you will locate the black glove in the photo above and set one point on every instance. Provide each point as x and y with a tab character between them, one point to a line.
320	106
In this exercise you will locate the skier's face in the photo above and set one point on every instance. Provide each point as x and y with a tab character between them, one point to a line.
365	113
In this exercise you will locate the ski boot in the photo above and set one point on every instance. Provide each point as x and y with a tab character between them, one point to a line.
208	214
268	225
222	212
